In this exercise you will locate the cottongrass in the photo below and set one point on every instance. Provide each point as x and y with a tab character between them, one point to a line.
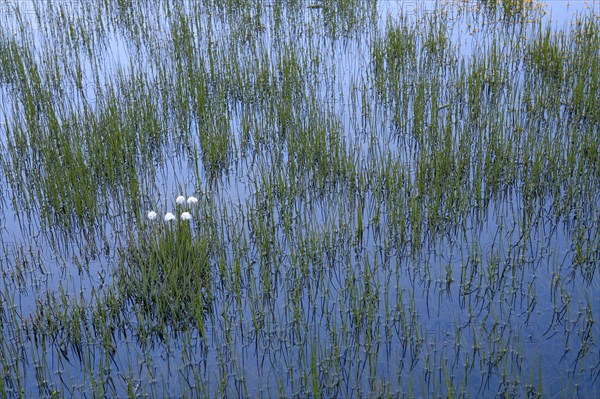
169	216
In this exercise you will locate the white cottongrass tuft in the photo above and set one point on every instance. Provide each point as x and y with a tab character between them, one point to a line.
151	215
169	216
192	200
180	200
186	216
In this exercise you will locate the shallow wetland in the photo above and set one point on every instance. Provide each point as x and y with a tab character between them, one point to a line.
378	198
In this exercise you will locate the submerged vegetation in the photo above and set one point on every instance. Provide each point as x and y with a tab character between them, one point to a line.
390	200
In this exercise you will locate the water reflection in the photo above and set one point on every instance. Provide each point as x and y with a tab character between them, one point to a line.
382	201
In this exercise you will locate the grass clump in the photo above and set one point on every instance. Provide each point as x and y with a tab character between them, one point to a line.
166	276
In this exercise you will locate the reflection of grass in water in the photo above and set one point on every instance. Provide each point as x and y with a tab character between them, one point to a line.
508	10
346	183
166	276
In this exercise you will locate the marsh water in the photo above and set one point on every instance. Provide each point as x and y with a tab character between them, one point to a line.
385	198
